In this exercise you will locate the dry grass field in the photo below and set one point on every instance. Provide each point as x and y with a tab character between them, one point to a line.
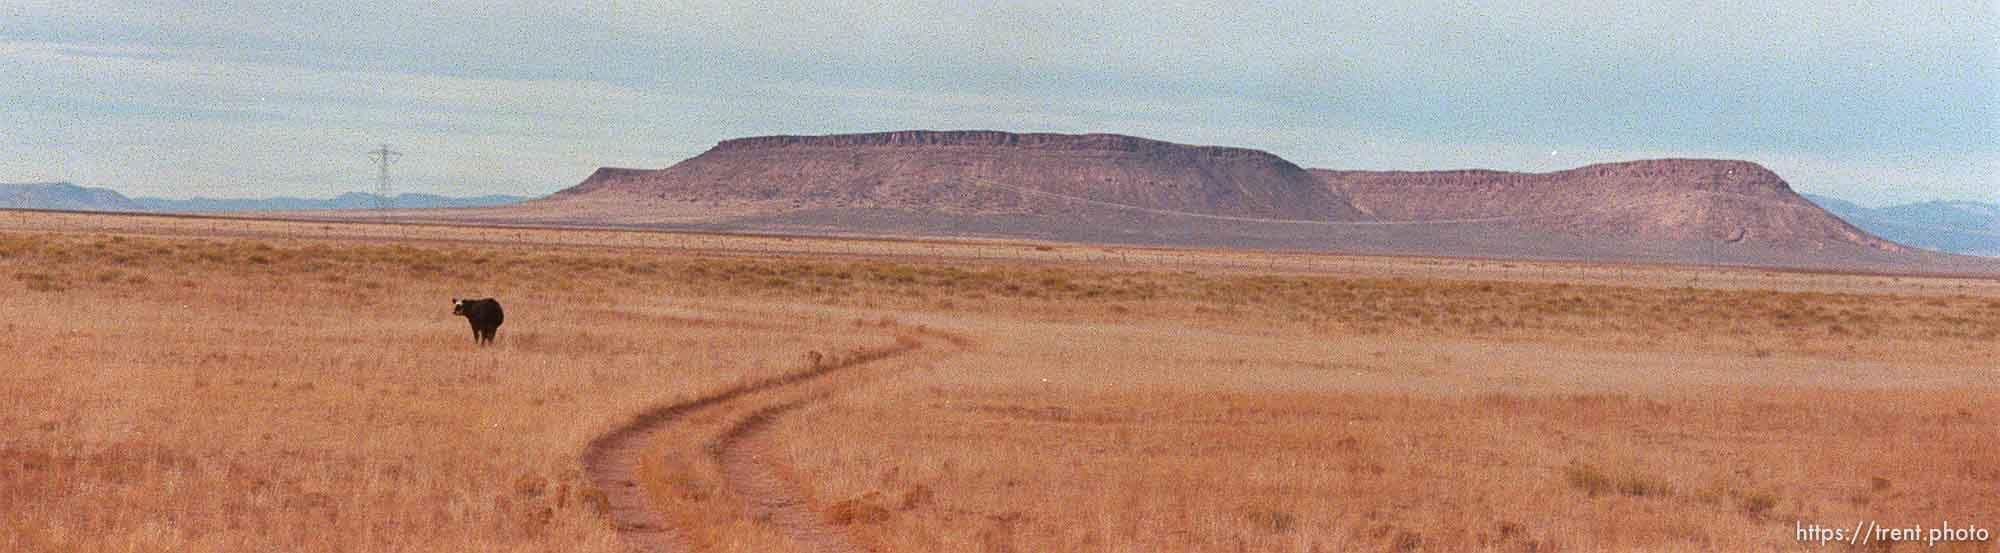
217	385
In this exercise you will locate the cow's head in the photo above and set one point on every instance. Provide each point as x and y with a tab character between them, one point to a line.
457	306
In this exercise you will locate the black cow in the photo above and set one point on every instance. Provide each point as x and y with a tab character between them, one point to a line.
485	315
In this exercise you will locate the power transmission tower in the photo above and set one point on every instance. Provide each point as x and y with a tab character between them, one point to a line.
382	159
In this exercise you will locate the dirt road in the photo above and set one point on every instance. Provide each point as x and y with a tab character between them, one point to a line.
612	461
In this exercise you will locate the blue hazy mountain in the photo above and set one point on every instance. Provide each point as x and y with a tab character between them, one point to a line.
1971	228
66	196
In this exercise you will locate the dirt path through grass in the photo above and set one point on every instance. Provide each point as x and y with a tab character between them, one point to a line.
750	469
612	461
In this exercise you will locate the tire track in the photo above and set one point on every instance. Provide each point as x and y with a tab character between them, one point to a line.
748	468
611	460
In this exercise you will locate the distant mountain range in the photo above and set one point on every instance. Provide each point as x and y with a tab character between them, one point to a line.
1123	189
1971	228
66	196
1110	188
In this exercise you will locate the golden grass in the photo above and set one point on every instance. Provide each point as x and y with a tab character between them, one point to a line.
1151	437
324	399
302	389
1339	472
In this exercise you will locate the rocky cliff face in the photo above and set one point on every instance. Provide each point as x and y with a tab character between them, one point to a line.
1696	200
1114	188
984	172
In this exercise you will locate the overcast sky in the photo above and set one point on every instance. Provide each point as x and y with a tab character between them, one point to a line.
1877	102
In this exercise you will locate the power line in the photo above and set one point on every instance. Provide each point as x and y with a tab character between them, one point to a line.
383	157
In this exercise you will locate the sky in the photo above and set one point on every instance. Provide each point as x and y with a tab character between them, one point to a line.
1875	102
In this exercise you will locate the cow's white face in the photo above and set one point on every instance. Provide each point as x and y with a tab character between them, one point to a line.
457	306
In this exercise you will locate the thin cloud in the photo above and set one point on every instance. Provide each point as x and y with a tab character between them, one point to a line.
1837	98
